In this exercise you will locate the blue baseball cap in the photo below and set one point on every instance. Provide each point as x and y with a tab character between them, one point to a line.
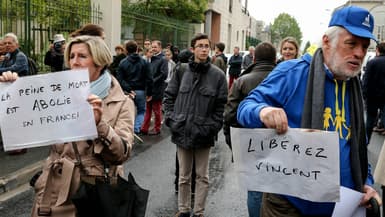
358	21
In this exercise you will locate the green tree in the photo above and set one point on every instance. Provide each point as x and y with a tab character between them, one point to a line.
251	41
285	25
185	10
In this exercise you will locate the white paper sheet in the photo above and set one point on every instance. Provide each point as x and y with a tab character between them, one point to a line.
298	163
46	109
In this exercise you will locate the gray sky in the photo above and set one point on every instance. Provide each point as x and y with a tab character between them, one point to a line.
312	21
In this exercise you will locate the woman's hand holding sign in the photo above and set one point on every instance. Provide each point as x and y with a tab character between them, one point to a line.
96	104
9	76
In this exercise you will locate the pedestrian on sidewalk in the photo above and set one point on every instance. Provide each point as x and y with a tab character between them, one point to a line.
183	57
2	50
373	89
193	104
219	59
320	92
114	115
235	66
249	58
54	57
265	59
289	49
121	53
135	77
16	61
159	68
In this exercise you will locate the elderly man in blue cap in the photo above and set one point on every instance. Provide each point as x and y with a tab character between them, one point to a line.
320	92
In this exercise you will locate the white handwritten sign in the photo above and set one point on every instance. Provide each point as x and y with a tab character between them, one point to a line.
298	163
46	109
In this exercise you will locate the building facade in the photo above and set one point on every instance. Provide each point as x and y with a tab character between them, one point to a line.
229	22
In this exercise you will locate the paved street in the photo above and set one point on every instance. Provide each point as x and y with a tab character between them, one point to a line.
153	166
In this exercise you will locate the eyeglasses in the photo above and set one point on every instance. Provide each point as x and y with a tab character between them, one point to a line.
203	46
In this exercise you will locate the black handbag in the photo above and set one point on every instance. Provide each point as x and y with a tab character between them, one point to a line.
110	197
125	198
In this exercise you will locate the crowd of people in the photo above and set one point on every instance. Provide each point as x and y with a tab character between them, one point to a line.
190	92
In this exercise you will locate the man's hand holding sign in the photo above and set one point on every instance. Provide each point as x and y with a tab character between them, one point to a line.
321	91
299	162
296	163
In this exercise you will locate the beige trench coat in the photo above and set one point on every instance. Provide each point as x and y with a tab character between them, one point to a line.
61	176
379	172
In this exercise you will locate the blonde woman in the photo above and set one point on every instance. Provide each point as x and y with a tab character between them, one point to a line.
289	49
114	115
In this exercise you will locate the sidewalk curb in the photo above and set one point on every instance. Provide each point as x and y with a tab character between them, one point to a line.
16	182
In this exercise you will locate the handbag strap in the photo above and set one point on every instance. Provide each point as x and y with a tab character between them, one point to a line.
83	170
78	159
45	206
67	167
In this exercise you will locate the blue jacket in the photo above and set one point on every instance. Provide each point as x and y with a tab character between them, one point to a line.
134	73
17	62
285	87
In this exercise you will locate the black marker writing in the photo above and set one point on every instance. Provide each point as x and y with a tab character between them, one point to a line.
31	90
5	97
40	104
49	119
11	110
77	84
266	166
56	87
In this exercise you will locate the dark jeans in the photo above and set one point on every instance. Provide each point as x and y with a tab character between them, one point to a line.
140	103
372	115
254	201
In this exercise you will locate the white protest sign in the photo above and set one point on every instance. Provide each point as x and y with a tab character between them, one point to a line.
349	205
297	163
46	109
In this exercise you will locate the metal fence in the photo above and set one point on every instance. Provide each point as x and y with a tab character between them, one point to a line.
36	21
139	25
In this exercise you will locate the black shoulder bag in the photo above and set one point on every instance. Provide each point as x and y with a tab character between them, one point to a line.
109	197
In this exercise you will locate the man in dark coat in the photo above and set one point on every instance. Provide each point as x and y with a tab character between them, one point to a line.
135	77
373	89
55	55
265	57
159	68
15	60
194	103
235	64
